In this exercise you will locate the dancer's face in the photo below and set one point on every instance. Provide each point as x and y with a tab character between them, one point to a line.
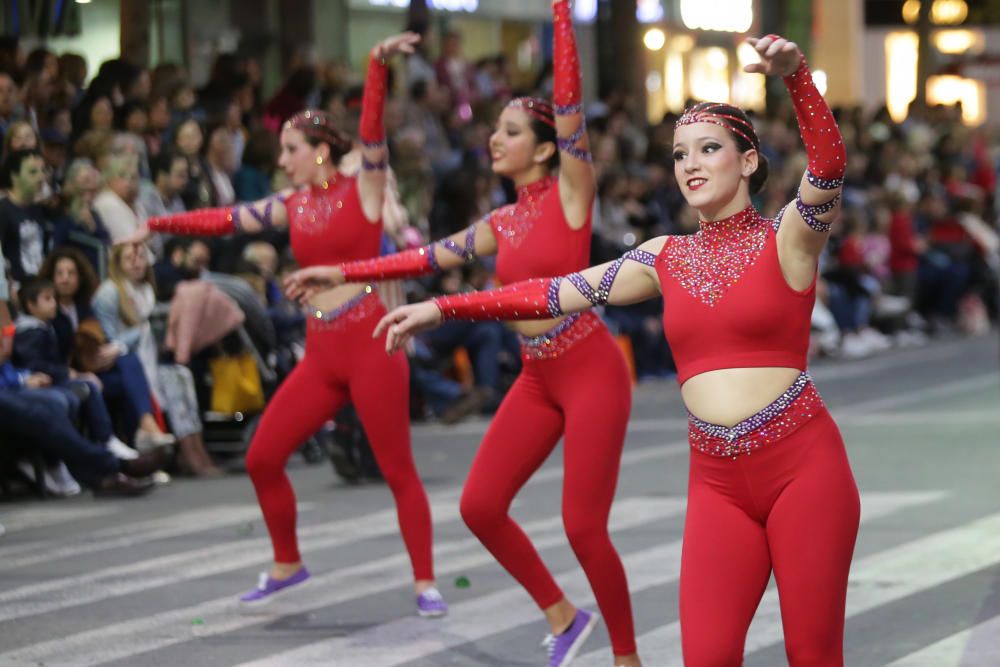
514	146
710	168
299	158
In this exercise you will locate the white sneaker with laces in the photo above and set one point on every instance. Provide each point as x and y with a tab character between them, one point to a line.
120	449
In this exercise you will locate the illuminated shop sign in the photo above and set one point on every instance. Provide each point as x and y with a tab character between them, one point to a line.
722	15
445	5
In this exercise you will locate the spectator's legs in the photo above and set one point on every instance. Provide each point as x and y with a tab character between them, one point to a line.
46	425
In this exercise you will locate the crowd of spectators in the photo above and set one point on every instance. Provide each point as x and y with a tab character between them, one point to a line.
85	161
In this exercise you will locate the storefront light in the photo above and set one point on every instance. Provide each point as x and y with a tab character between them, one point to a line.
900	73
653	82
748	89
722	15
585	11
710	74
950	89
654	39
943	12
83	2
958	41
648	11
819	78
444	5
673	74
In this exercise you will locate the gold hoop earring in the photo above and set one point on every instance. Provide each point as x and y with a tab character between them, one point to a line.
319	159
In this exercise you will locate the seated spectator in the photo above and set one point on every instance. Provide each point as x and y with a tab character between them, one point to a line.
26	417
188	141
115	203
79	225
169	176
123	305
82	341
36	348
253	179
22	222
21	136
219	166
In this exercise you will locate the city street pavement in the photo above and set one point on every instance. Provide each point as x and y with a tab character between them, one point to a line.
152	582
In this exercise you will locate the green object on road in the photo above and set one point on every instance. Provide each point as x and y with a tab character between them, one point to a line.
198	621
245	529
462	582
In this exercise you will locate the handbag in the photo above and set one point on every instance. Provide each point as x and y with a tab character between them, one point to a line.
236	385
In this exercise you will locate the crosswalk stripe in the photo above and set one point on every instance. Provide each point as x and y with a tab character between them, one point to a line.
876	580
402	640
184	566
132	637
119	536
36	517
977	646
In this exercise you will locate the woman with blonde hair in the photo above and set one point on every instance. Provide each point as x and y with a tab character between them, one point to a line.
123	305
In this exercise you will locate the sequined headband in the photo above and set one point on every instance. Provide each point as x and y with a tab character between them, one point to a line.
316	125
705	113
535	107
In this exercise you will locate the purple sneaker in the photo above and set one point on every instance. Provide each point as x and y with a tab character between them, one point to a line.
430	604
564	647
268	588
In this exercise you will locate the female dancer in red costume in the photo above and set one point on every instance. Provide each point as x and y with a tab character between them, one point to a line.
547	232
770	485
332	218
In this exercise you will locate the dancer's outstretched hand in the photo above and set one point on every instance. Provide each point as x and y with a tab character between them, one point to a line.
140	235
405	321
305	283
778	56
403	43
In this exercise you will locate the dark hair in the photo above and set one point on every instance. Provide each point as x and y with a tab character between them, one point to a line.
15	159
86	275
541	120
318	128
546	133
162	162
261	150
32	290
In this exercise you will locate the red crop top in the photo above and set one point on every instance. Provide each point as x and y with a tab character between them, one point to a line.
554	247
327	224
726	303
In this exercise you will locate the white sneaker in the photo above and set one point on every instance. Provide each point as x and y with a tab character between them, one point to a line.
120	449
144	440
60	482
878	341
910	338
854	346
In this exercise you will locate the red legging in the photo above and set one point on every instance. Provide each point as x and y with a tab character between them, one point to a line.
792	506
342	362
585	394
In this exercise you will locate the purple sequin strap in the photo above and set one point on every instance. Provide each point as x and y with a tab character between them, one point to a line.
468	253
432	260
555	309
759	419
584	288
568	109
823	183
264	218
568	144
810	211
641	256
368	165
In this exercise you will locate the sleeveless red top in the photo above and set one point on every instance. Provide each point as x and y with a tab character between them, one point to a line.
328	226
726	303
534	240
